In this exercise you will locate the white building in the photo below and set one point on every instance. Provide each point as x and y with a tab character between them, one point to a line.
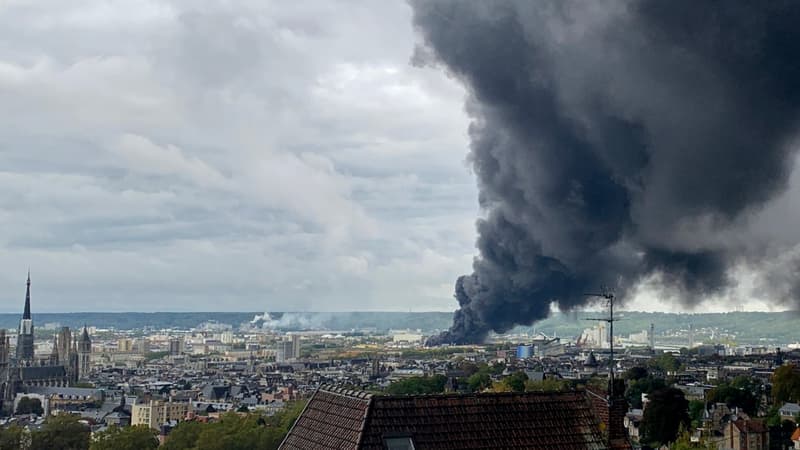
596	337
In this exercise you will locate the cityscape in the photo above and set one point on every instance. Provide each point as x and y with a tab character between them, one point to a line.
399	225
159	378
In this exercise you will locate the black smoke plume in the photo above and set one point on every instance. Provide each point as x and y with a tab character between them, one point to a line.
613	142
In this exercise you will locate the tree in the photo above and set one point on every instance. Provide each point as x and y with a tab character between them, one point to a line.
286	418
151	356
251	431
696	410
666	413
746	383
138	437
641	386
11	437
183	436
547	385
234	432
516	381
29	405
479	381
636	373
418	385
243	409
61	432
773	417
666	362
742	397
469	368
786	384
480	375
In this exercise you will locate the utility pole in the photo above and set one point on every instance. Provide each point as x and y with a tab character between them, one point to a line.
609	297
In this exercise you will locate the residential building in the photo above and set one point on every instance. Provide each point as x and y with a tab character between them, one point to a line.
296	346
157	412
175	346
124	345
746	434
789	411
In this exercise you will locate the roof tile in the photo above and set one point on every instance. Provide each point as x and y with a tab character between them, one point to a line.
341	419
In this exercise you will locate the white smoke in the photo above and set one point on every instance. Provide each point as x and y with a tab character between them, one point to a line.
289	321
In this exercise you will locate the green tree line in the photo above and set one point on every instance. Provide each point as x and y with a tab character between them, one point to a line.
231	432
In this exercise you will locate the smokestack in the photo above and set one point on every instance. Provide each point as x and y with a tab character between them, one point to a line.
613	142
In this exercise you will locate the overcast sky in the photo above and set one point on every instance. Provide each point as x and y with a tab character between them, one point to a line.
179	156
241	156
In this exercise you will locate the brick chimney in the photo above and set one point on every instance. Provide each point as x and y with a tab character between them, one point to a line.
610	412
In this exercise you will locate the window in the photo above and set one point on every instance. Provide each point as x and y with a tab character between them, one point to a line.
399	443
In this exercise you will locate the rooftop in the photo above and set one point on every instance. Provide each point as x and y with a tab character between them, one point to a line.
341	419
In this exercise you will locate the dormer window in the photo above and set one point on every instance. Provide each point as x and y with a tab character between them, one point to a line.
403	442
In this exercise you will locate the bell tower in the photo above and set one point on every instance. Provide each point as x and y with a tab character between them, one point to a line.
84	354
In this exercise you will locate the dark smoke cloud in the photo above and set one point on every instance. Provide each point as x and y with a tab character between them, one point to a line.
612	142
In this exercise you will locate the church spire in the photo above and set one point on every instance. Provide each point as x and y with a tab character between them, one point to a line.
54	354
25	338
27	313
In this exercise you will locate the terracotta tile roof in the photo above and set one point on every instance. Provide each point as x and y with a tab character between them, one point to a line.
333	419
544	421
557	421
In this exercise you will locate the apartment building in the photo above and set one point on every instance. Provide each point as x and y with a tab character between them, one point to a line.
157	412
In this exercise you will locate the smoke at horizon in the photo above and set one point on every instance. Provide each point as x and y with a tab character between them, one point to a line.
615	142
290	321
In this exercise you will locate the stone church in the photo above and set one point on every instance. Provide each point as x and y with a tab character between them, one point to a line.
68	362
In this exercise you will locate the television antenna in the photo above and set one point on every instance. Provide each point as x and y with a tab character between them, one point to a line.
608	295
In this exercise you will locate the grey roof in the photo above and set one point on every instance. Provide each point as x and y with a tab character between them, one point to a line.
212	392
42	372
794	408
67	391
118	415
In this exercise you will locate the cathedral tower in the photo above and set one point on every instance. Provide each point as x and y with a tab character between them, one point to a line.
6	394
74	362
25	336
64	343
53	361
84	354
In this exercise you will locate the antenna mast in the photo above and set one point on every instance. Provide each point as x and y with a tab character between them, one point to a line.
608	295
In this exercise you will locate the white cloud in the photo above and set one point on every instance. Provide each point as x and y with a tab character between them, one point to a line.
138	153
